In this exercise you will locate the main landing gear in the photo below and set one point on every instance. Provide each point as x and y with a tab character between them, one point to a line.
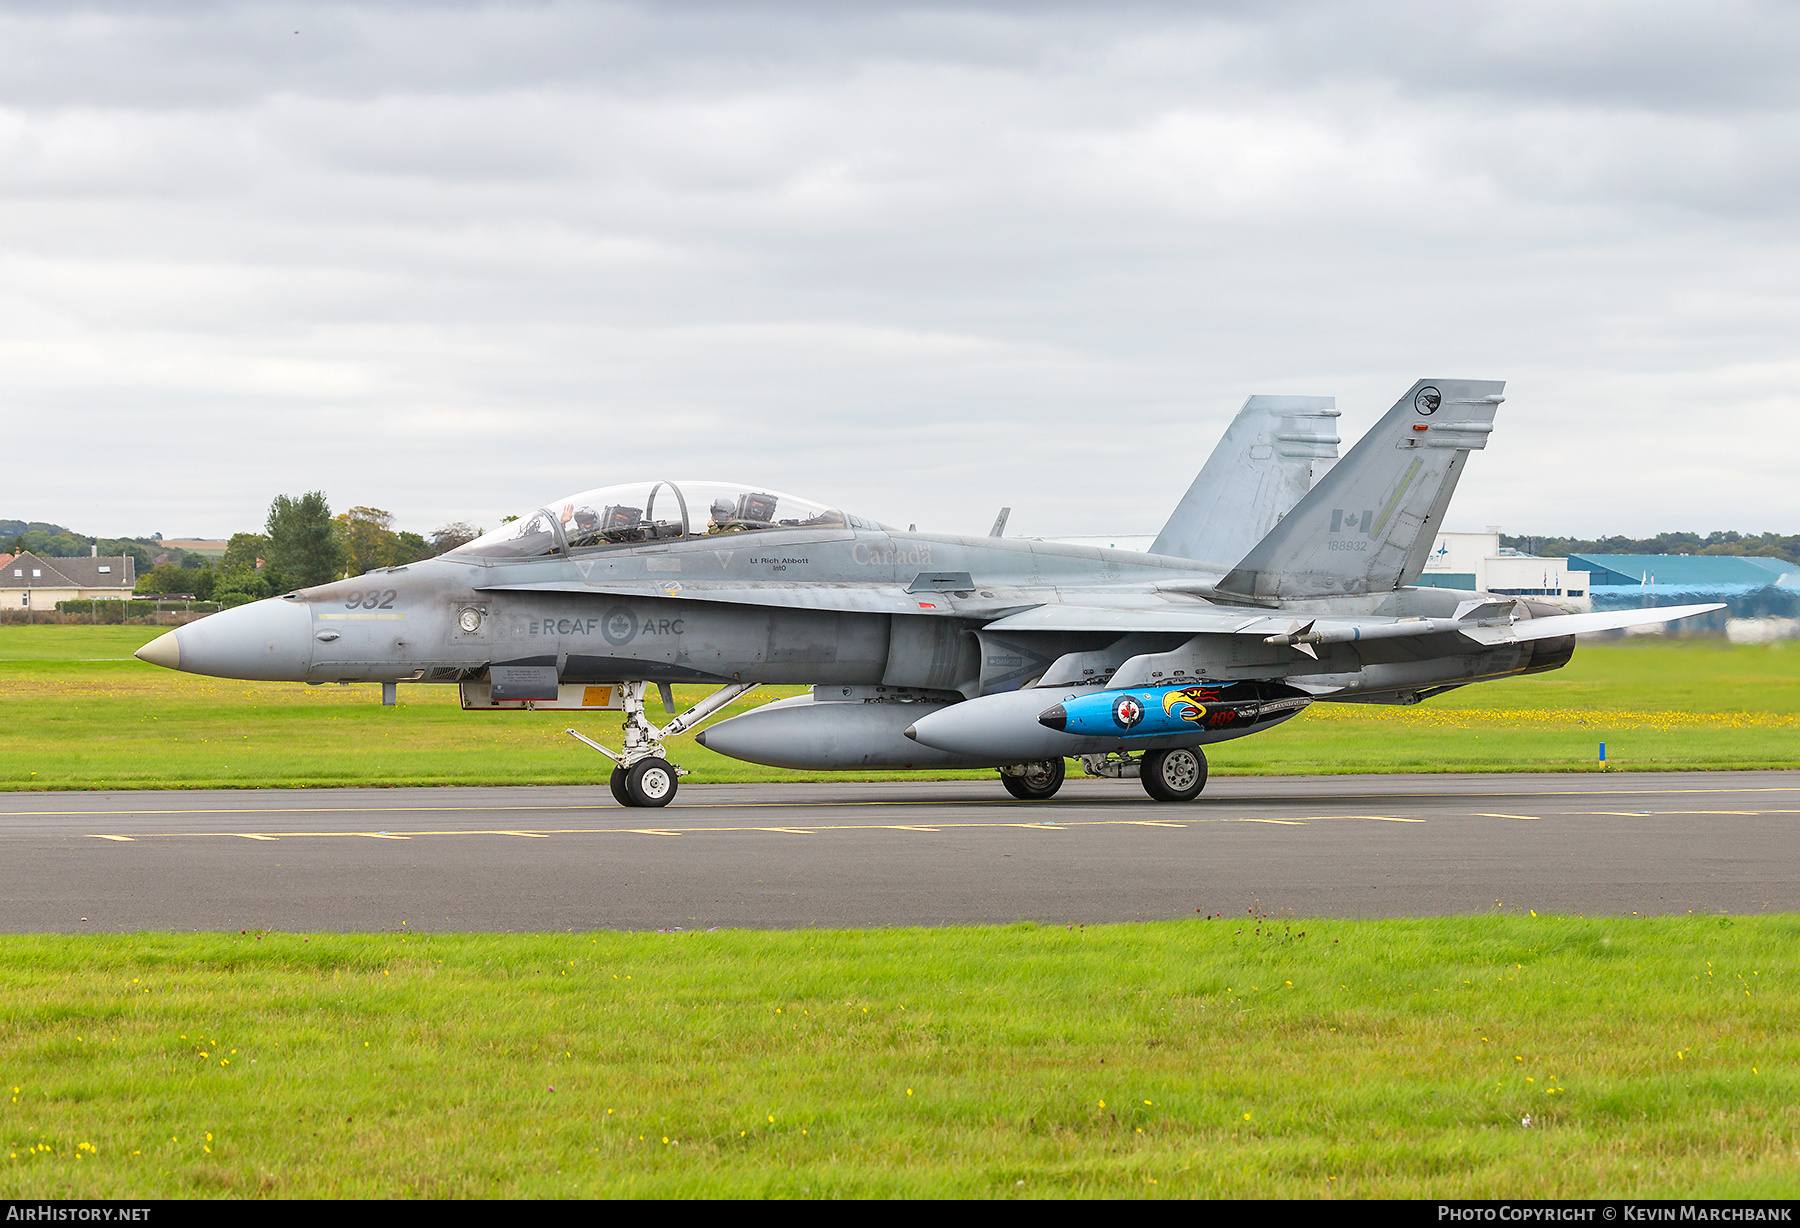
1174	775
643	775
1033	782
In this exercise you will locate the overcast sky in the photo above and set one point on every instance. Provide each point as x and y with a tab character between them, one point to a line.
916	260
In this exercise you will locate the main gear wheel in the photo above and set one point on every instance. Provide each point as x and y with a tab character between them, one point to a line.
1175	775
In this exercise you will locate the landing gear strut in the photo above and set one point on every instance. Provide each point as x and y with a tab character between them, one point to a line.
643	775
1033	782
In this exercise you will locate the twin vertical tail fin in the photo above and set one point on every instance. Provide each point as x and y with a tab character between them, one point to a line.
1368	525
1268	459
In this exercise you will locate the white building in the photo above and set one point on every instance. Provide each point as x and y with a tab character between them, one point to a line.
1478	562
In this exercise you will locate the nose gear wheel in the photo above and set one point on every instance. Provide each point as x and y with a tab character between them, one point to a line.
651	782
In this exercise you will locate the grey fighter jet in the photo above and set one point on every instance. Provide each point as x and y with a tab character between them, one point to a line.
931	650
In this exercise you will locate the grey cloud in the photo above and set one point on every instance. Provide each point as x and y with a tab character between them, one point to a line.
919	260
1657	57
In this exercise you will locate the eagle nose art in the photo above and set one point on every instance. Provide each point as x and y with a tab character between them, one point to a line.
268	641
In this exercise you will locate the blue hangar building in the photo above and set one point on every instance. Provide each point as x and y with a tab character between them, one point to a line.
1750	586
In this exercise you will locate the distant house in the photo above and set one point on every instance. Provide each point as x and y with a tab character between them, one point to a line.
30	583
208	547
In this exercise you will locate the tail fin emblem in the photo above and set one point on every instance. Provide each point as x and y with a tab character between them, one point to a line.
1428	400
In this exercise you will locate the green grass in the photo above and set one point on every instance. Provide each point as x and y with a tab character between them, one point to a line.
1654	1057
77	712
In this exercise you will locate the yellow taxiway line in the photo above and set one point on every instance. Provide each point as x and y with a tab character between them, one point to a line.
812	830
840	804
818	828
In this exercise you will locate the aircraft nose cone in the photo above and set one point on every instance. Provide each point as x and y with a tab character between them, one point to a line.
265	641
164	650
1054	718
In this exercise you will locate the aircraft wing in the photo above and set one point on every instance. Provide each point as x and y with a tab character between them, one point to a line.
1581	624
1485	622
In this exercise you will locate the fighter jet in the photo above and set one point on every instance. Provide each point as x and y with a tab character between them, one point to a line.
1281	580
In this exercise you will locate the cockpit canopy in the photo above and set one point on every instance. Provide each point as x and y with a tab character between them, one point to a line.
642	512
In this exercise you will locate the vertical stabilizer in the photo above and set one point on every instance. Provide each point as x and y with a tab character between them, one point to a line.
1369	523
1265	463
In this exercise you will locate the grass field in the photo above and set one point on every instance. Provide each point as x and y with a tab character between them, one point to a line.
77	712
1239	1056
1652	1057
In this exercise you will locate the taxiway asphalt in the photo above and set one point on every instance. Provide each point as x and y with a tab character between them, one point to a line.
886	854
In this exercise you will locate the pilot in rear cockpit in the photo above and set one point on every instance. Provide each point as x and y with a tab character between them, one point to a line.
750	511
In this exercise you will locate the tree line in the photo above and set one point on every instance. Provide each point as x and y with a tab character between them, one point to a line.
302	544
1765	545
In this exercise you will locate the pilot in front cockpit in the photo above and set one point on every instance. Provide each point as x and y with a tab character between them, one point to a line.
585	522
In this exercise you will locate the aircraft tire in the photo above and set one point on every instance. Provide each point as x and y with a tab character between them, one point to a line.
1175	775
650	782
617	783
1039	781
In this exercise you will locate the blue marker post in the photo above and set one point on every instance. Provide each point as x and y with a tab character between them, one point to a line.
1603	756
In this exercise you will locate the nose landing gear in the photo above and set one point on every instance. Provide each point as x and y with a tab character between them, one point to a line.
650	783
643	775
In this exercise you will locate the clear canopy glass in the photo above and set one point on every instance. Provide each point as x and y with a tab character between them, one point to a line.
641	512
